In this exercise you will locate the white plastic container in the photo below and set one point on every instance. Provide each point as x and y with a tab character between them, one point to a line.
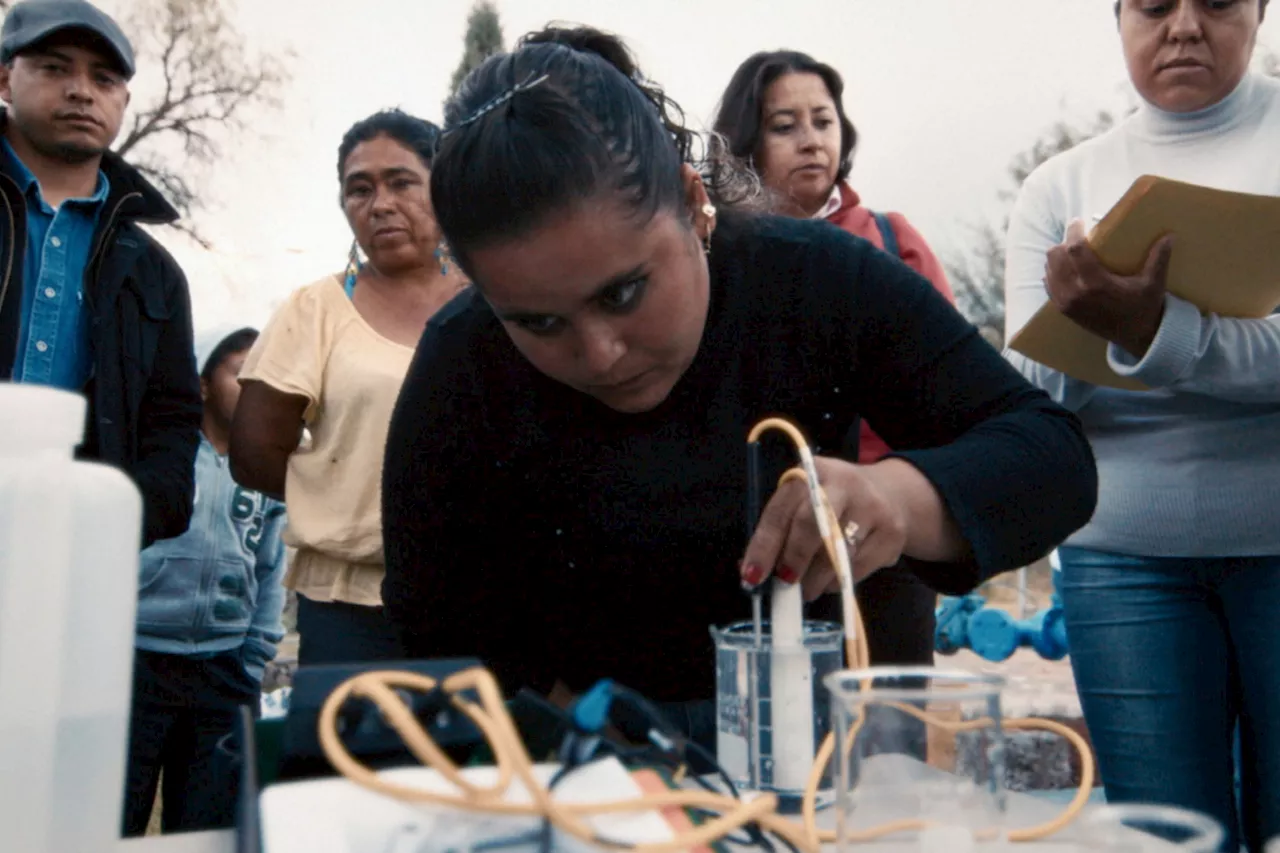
70	534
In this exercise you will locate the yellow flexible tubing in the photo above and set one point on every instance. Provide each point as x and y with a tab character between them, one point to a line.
492	719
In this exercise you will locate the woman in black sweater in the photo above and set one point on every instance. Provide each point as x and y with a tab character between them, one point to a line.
565	484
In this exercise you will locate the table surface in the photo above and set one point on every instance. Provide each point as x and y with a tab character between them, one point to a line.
1023	810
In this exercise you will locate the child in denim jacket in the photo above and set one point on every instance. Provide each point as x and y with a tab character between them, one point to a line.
209	619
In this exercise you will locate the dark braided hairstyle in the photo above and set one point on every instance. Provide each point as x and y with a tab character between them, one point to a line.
565	118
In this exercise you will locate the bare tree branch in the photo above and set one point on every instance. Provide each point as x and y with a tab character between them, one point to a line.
974	276
208	87
977	274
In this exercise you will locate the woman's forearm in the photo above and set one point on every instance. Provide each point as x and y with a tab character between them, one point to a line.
265	432
262	469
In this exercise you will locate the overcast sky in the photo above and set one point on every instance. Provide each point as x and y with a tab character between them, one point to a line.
943	93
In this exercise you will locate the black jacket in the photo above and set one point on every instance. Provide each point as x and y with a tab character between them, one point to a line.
143	393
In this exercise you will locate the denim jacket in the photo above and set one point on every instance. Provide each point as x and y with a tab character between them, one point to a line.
218	587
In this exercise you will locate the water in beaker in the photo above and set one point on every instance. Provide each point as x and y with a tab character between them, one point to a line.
919	758
746	739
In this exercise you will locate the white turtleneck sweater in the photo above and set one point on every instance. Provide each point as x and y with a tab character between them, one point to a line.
1192	467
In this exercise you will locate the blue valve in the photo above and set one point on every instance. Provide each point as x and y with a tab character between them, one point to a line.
954	613
995	635
965	622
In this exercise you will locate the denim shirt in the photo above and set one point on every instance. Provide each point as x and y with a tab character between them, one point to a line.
53	340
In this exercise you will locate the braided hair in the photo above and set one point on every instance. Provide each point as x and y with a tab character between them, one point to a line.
565	118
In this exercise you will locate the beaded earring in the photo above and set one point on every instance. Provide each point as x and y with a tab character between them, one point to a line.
442	256
353	261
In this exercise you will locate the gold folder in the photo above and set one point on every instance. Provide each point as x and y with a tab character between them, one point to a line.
1226	261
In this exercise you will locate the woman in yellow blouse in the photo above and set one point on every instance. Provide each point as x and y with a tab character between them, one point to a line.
331	361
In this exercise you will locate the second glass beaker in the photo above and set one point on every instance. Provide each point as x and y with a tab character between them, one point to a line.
919	757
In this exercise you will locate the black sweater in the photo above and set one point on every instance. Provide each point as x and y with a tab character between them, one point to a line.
529	525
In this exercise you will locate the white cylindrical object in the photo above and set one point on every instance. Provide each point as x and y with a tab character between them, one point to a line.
790	689
69	543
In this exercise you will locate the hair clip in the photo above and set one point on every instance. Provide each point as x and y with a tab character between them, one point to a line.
497	102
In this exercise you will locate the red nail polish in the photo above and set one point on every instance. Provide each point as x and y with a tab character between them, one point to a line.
752	575
786	574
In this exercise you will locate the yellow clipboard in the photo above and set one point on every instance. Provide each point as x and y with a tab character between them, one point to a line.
1226	260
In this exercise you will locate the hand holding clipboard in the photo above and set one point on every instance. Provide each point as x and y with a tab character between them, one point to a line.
1225	259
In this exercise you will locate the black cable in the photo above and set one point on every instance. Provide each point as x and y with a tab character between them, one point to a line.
667	748
681	746
711	760
568	765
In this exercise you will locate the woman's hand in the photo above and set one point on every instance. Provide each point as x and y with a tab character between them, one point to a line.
1123	309
787	543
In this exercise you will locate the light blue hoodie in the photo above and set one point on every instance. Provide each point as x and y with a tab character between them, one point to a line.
218	587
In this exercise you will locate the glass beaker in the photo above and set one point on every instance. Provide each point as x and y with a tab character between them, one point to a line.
940	784
1140	827
746	741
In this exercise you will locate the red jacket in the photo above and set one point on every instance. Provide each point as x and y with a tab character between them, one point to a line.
914	252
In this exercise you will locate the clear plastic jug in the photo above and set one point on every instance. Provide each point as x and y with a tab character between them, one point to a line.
70	534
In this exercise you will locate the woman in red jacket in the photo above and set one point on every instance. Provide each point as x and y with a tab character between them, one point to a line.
783	114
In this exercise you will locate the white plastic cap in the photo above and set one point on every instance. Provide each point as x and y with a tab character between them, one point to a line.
36	417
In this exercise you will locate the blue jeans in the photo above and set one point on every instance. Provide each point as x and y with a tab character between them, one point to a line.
1171	655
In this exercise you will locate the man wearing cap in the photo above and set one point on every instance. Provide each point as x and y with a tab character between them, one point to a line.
88	301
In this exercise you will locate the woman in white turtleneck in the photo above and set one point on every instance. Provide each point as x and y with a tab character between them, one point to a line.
1172	592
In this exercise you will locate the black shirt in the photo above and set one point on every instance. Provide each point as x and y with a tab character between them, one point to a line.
532	526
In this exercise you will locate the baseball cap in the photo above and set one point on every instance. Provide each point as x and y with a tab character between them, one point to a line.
32	21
